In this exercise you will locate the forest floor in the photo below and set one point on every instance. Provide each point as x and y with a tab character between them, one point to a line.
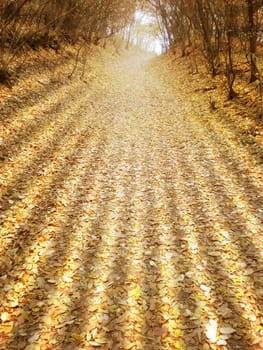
131	214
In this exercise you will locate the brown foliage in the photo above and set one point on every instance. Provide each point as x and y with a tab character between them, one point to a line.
32	24
218	28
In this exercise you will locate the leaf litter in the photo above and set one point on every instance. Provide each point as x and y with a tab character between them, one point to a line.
130	219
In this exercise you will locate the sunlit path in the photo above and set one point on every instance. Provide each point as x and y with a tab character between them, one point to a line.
128	221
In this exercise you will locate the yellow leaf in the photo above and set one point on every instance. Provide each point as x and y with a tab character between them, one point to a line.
113	308
227	330
178	345
177	333
7	327
77	336
47	319
33	347
135	292
5	317
99	342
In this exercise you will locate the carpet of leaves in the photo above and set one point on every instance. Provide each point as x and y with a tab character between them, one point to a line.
130	219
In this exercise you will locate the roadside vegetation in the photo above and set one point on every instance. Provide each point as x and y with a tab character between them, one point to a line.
227	34
32	24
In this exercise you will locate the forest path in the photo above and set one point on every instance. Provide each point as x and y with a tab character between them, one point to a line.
127	221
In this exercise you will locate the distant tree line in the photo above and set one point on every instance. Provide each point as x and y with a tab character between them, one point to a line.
219	28
48	23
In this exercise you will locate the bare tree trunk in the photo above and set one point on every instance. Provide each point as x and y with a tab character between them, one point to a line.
252	34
